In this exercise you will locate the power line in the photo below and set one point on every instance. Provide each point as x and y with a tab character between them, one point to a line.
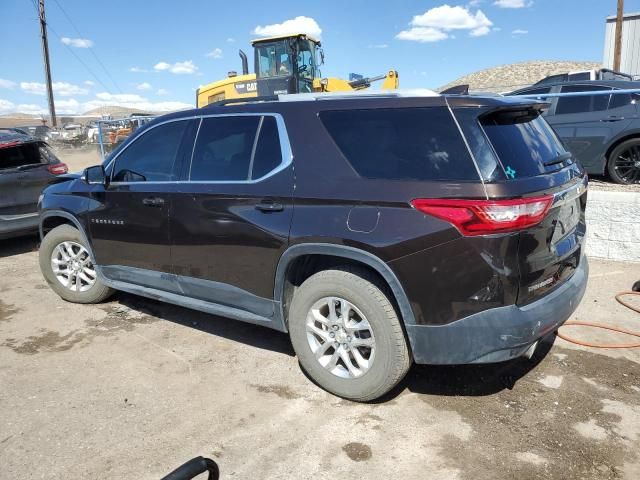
33	2
64	12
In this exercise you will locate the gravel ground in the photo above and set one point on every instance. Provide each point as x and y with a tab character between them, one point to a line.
131	388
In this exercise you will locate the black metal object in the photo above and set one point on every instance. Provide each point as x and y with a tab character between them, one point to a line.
456	90
245	62
193	468
636	286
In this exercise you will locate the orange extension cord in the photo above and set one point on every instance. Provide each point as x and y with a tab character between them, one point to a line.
606	327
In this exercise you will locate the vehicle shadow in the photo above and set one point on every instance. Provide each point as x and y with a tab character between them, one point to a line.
247	333
473	380
18	245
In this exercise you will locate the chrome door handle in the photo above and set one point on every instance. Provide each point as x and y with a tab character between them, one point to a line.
153	202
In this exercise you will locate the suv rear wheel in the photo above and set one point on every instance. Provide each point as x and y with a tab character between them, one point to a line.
66	266
624	162
347	334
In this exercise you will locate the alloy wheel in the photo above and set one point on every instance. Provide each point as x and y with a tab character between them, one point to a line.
71	264
340	337
627	164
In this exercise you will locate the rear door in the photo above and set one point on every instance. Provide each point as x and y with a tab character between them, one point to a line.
585	125
536	164
230	219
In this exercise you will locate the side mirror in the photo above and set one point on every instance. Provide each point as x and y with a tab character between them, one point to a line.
95	175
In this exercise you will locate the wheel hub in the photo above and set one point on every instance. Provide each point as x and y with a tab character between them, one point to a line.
340	337
72	267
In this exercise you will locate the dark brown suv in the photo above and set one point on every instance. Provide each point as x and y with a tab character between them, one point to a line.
377	230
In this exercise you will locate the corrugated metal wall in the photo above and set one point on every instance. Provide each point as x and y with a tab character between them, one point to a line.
630	55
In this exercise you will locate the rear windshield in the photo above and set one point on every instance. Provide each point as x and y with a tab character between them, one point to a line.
401	143
20	155
525	143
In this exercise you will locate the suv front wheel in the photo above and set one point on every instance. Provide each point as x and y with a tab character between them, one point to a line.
67	267
347	335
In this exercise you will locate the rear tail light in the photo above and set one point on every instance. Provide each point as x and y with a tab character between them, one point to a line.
483	217
58	168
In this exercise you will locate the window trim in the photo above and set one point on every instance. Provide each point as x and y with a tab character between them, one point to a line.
283	136
113	161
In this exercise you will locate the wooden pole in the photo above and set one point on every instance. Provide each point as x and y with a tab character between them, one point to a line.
45	58
617	52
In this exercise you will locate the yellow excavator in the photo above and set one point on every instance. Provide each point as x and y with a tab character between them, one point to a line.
284	64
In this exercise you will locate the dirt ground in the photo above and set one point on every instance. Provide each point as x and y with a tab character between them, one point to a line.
132	388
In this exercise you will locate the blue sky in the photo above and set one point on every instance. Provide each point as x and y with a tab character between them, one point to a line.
156	53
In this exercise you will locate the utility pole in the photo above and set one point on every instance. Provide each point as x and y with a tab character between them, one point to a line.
617	49
45	57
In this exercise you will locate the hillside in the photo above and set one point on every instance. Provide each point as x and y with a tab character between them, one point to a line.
517	75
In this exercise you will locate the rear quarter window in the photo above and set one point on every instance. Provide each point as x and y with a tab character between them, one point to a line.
401	143
525	143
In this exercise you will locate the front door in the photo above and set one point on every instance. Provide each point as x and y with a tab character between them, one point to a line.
129	219
231	218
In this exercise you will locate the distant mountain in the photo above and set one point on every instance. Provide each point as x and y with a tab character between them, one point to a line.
113	110
506	78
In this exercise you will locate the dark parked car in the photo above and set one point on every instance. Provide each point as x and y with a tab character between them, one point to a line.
375	230
602	130
40	132
27	166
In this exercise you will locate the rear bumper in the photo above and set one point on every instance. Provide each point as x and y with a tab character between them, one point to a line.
498	334
15	225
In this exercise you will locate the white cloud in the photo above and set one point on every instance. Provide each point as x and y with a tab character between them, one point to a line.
144	86
480	31
179	68
63	89
519	31
6	106
89	83
512	3
6	83
295	25
138	70
162	91
77	42
120	97
30	108
379	45
231	40
215	53
422	34
434	24
69	106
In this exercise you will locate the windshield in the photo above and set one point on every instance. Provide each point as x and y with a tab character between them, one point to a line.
274	59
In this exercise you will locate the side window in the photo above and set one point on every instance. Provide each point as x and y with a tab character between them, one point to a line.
223	148
582	103
536	91
151	157
268	154
414	144
620	100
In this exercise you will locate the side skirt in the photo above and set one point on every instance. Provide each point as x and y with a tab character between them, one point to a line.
275	323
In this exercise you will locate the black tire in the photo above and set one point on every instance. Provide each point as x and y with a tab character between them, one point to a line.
97	293
359	287
619	173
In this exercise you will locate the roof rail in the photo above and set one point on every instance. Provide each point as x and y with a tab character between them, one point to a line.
313	96
229	101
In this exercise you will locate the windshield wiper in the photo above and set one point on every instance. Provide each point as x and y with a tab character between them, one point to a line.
559	159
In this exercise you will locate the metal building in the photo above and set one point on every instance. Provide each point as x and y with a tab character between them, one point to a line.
630	55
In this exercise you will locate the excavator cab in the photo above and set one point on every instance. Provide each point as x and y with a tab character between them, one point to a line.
286	64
